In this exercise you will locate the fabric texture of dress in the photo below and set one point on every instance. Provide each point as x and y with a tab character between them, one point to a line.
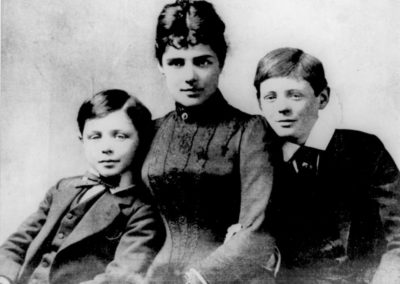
209	167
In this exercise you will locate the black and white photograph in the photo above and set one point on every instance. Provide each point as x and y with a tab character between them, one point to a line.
200	142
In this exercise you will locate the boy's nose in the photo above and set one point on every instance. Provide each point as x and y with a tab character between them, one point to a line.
282	106
107	147
107	151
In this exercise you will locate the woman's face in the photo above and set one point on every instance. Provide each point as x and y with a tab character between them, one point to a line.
191	73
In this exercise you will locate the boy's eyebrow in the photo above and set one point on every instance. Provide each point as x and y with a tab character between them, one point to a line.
207	56
293	91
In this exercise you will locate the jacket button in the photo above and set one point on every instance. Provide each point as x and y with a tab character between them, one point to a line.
69	216
185	116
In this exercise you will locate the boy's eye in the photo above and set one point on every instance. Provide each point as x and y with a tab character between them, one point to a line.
176	62
270	97
94	136
121	136
296	95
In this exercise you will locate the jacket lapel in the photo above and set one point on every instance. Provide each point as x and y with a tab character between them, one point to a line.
61	200
100	216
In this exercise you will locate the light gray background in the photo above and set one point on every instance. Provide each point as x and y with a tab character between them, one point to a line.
56	53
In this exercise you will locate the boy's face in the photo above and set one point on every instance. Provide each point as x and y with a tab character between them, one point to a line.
291	107
110	143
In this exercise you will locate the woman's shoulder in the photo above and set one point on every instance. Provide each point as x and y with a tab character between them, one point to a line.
160	120
241	116
249	121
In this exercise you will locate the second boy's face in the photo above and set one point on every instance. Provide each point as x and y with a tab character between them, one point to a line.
291	107
110	143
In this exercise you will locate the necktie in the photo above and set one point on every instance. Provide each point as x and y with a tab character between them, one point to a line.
110	182
98	185
305	161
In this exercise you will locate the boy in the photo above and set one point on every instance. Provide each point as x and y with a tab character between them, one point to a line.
335	207
99	228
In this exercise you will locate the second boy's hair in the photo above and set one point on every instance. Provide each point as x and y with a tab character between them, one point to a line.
291	62
106	102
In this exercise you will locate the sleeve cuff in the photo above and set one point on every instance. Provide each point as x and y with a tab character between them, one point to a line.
194	277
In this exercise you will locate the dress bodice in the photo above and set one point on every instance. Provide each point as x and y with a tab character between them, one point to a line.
195	170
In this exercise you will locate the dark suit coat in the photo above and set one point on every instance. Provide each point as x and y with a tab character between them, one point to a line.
119	235
349	211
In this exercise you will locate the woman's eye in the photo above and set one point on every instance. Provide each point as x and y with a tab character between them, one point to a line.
203	62
176	62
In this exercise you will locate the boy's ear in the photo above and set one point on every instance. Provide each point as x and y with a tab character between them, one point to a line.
324	97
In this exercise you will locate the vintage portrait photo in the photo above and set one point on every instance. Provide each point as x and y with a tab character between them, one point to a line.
200	142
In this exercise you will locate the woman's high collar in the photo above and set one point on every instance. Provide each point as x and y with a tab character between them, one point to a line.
212	108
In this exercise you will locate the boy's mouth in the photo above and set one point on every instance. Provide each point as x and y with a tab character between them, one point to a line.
108	161
286	122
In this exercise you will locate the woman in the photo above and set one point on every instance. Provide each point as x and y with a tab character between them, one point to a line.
209	163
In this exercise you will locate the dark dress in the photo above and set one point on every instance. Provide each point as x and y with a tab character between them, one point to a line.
209	168
334	225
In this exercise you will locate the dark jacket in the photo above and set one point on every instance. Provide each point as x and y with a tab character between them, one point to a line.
209	168
115	240
337	225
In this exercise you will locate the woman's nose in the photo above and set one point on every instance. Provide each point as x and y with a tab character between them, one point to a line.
190	74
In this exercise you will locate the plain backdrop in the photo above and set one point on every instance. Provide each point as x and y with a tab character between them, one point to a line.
56	53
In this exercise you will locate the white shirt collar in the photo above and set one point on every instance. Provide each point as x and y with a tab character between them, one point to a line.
319	138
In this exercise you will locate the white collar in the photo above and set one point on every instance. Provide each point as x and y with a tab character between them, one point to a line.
319	138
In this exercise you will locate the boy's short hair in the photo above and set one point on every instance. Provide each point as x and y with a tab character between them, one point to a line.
108	101
291	62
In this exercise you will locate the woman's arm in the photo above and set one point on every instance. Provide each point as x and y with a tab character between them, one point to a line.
247	253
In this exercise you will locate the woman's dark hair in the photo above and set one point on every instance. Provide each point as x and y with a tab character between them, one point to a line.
106	102
187	23
291	62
